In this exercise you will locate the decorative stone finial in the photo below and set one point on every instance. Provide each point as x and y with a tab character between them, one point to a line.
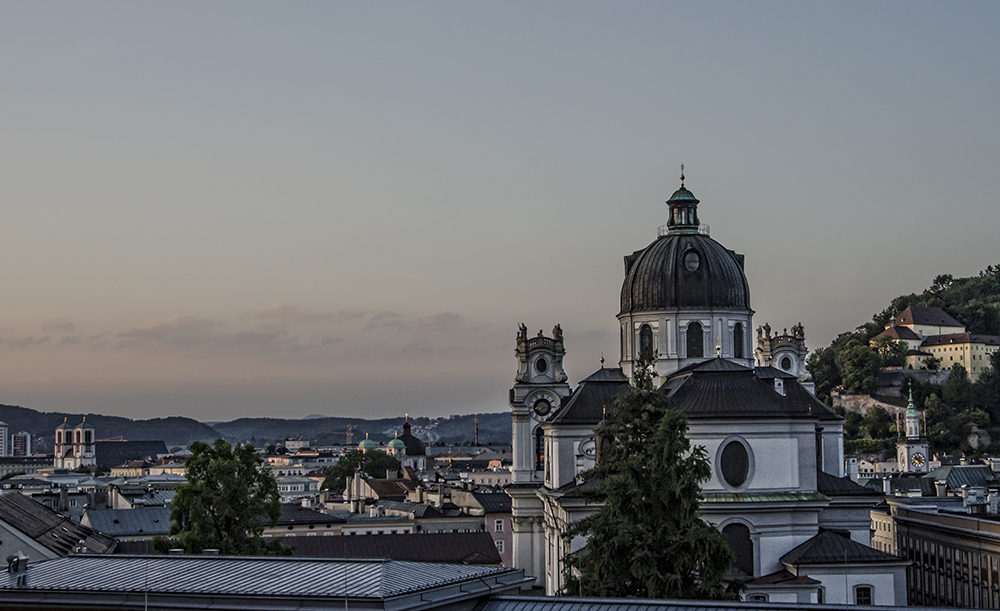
602	359
682	176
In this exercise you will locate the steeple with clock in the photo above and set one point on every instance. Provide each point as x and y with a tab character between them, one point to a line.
913	451
539	387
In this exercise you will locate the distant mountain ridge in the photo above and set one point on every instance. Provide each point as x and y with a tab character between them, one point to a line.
179	431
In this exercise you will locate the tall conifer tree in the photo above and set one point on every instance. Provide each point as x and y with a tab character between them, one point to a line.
647	540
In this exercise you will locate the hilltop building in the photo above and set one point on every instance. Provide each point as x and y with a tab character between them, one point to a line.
931	332
798	528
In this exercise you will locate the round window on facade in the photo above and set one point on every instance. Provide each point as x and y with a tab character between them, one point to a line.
691	260
541	365
786	364
734	463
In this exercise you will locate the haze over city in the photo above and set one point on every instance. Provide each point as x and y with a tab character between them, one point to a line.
243	209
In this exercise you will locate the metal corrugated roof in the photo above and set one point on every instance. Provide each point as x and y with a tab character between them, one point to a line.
129	522
534	603
243	576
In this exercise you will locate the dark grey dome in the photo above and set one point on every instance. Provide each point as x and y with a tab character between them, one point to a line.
414	447
684	268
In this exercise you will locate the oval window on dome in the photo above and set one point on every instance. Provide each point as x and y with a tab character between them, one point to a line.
541	365
735	464
786	364
691	260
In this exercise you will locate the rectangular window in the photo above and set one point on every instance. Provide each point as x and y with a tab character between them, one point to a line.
863	595
498	526
499	545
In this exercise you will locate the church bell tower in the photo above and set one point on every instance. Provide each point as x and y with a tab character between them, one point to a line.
913	451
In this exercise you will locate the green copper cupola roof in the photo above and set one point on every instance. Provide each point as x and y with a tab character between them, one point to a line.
911	410
683	210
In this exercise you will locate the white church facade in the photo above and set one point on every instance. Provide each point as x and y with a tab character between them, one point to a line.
798	528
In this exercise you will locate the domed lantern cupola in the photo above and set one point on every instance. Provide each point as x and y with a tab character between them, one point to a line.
683	210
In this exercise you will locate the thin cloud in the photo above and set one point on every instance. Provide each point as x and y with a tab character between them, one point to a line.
58	325
387	319
24	342
193	333
441	319
70	340
329	341
290	315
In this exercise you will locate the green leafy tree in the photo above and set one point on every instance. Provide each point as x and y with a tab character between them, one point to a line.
859	366
822	364
375	463
228	497
957	391
891	352
877	421
647	540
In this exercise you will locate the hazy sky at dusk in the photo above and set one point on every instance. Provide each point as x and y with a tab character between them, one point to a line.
237	209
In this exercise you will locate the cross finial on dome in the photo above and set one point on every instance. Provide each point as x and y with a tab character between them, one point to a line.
682	175
602	359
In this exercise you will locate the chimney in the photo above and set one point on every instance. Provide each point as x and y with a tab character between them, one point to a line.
887	486
354	505
175	552
210	552
941	488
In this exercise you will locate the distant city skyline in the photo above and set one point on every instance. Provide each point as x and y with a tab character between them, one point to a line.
252	209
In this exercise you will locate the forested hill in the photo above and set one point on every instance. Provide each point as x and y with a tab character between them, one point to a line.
851	362
177	431
973	301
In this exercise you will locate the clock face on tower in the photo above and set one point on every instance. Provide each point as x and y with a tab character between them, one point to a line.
542	406
917	460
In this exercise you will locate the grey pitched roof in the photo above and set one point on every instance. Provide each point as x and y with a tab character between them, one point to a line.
595	393
129	522
961	338
718	388
899	332
114	453
292	513
926	315
831	547
831	485
321	582
52	530
962	475
493	502
449	548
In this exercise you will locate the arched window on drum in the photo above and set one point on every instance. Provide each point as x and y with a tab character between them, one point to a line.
539	449
738	341
695	341
645	341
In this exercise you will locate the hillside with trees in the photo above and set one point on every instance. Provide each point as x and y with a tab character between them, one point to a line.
853	360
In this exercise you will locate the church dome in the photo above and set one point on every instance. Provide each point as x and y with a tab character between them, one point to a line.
684	268
396	443
414	447
367	444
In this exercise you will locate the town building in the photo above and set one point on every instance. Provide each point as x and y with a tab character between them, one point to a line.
932	332
5	448
37	532
798	527
20	444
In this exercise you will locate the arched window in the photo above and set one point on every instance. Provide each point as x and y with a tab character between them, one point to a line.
695	341
645	341
539	449
863	595
738	341
738	537
58	436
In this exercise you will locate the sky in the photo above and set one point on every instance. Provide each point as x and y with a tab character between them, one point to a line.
231	209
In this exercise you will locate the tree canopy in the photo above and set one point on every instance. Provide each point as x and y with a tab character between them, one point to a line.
647	540
225	503
374	462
